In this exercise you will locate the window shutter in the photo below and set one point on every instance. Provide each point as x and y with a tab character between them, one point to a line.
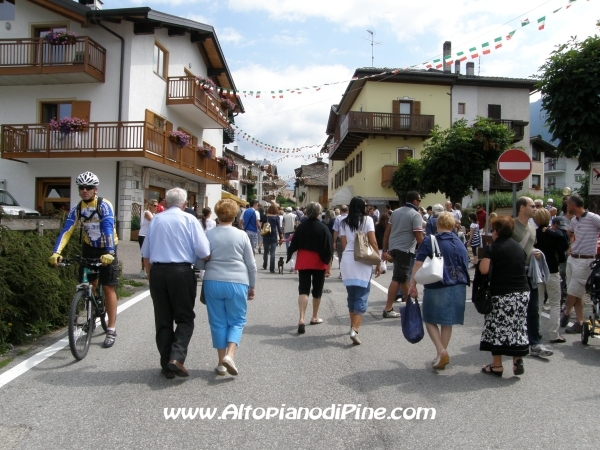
149	117
81	109
416	108
395	107
403	154
169	126
495	111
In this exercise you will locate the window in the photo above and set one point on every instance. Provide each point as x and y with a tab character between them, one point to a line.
578	177
536	180
352	168
243	189
495	111
404	153
536	155
7	10
53	194
551	182
161	59
359	162
346	171
462	108
60	110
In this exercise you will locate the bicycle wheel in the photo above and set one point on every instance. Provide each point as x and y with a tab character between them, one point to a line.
80	325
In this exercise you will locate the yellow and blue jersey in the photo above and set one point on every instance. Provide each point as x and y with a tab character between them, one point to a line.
98	226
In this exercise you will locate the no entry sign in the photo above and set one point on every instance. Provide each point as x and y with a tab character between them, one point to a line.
514	165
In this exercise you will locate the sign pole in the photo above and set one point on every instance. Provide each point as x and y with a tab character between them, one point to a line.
486	188
514	185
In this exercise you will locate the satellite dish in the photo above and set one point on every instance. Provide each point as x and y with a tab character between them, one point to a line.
567	191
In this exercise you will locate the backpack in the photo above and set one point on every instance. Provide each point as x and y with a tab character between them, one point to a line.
266	229
87	219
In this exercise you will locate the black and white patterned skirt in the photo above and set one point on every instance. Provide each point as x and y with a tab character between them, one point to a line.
505	329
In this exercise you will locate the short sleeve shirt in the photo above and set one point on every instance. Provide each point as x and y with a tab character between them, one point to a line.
586	230
405	222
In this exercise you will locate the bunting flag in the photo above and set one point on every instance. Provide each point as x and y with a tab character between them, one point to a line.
570	3
486	48
524	22
461	56
510	35
498	42
448	59
473	52
437	63
541	23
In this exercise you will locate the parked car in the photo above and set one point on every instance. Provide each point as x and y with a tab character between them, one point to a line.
10	206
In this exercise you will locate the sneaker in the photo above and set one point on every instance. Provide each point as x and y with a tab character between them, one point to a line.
229	365
540	351
354	337
575	329
391	314
142	274
221	370
109	340
340	276
564	320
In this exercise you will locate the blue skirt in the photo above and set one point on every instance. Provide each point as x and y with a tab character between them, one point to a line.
445	306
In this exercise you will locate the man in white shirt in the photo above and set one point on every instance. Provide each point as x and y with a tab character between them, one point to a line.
337	241
289	220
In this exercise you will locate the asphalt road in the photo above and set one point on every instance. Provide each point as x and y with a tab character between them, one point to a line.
116	398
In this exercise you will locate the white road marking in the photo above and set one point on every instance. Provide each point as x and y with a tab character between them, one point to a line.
23	367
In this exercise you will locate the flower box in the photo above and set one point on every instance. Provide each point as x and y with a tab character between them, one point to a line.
68	125
179	138
61	38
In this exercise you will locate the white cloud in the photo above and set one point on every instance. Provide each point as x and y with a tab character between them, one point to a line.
286	40
294	121
200	18
230	35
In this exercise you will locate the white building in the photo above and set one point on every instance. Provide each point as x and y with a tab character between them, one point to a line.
131	74
559	172
245	180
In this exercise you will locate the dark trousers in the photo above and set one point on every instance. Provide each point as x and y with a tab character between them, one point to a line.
270	245
173	291
533	318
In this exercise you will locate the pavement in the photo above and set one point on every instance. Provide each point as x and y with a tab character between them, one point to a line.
116	398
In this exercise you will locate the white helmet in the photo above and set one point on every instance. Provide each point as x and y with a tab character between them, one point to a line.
87	179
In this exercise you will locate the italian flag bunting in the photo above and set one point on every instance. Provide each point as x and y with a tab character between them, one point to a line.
510	35
541	22
448	59
473	52
498	42
461	56
524	22
280	94
437	63
570	3
556	10
486	48
257	94
428	65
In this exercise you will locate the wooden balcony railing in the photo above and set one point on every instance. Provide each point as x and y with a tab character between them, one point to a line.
108	140
235	175
516	126
185	91
66	63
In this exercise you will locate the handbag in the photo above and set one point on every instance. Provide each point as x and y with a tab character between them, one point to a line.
483	298
412	322
432	269
266	229
363	251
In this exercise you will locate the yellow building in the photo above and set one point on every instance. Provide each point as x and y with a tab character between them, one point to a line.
385	118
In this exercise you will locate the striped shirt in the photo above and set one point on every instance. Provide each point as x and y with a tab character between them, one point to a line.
586	230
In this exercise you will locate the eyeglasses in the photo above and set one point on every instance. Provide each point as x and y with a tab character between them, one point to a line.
87	188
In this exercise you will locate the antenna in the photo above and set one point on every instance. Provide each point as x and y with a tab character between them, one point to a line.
373	43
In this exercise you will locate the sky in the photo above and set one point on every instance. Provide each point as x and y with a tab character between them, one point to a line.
282	44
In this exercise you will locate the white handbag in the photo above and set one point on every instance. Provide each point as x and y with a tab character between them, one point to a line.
432	269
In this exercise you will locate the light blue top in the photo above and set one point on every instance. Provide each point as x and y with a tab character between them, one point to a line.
231	257
175	236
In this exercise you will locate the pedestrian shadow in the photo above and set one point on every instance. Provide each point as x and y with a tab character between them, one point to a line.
287	337
586	355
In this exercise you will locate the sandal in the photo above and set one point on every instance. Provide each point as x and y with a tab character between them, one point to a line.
301	328
489	370
316	321
518	367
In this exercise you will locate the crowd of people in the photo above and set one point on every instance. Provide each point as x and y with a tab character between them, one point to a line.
538	253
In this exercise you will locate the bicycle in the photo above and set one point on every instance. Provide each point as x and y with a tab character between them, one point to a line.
86	306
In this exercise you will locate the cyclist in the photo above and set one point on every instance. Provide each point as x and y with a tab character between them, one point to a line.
95	218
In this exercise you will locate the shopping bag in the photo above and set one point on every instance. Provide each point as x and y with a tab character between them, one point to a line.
412	322
432	269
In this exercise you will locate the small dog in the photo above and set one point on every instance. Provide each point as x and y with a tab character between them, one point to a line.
280	264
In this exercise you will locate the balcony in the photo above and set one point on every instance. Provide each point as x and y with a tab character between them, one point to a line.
235	175
497	183
228	135
229	188
186	97
516	126
552	165
555	185
26	62
117	140
355	127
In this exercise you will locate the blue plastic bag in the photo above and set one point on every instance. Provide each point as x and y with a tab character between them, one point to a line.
412	322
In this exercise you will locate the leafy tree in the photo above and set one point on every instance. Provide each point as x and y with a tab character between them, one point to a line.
455	158
407	177
570	87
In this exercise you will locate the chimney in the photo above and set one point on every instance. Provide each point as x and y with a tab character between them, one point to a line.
457	67
470	69
92	4
447	51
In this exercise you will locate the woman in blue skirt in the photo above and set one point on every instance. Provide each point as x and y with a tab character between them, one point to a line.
444	301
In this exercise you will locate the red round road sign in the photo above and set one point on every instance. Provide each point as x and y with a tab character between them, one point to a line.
514	165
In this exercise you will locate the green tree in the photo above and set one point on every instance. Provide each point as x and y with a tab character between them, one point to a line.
407	177
455	158
570	87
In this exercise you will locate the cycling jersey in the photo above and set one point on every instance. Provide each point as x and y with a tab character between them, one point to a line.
98	226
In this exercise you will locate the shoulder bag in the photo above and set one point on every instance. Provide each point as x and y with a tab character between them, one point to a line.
412	322
363	251
483	297
432	269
